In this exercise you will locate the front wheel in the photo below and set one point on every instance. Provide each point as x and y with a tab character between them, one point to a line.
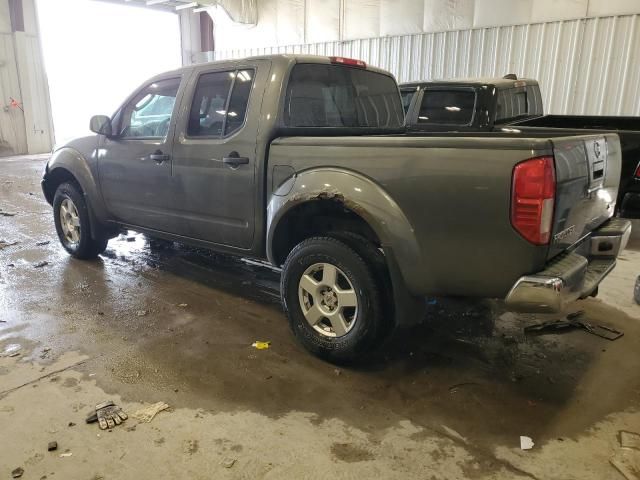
333	300
71	217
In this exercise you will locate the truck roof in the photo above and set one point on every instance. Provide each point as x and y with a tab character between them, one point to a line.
500	83
283	59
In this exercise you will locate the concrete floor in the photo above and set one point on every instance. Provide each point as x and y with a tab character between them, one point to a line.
446	400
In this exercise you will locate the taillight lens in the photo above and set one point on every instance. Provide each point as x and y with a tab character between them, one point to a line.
533	198
637	172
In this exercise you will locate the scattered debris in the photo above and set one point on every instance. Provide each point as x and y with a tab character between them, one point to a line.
629	439
337	371
148	413
92	418
17	473
43	243
572	323
109	415
7	214
228	462
526	443
65	454
11	350
44	263
183	305
52	446
71	424
45	353
142	313
261	345
5	244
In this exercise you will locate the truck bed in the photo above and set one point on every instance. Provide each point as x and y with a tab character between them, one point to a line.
462	221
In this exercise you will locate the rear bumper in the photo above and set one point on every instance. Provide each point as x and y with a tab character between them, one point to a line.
572	275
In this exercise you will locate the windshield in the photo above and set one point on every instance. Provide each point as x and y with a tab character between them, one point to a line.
321	95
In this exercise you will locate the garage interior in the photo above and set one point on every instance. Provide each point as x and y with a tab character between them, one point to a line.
456	395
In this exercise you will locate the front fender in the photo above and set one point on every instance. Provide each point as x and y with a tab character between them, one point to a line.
68	160
360	195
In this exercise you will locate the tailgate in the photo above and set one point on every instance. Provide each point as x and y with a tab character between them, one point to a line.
587	178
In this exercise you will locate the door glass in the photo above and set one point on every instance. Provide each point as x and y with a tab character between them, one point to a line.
239	100
148	115
208	109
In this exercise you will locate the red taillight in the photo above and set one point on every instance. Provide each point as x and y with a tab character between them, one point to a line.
348	61
532	199
637	172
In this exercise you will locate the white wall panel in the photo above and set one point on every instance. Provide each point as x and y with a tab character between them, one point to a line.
401	17
13	138
584	66
322	20
489	13
612	7
442	15
290	20
552	10
361	19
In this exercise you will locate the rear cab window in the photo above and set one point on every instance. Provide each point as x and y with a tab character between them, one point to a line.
517	102
447	106
321	95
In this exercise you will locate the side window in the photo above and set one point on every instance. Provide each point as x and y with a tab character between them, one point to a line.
239	101
212	111
148	115
447	107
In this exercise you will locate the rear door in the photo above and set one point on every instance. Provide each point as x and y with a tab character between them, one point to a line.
214	166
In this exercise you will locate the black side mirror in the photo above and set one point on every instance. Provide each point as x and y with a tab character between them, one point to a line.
101	124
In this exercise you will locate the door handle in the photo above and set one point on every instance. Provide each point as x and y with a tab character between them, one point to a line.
159	157
234	159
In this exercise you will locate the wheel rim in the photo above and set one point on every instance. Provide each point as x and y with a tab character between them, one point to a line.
328	300
70	221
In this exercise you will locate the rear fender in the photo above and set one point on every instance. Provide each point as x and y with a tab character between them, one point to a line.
358	194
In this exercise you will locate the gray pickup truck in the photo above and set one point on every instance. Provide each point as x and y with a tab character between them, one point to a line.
302	161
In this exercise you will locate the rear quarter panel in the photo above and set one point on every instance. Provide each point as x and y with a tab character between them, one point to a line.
455	194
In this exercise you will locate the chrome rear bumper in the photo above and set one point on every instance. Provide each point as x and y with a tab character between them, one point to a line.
573	275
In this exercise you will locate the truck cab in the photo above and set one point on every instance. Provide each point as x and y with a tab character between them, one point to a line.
469	105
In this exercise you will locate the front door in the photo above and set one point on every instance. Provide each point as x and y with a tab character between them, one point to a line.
214	156
135	164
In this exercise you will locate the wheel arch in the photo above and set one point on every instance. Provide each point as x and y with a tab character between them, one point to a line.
364	205
69	165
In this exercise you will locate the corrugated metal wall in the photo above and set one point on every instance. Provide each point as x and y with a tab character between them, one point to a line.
588	66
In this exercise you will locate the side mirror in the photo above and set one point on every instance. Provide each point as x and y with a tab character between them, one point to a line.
101	124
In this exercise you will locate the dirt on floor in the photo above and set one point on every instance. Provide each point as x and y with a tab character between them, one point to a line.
150	321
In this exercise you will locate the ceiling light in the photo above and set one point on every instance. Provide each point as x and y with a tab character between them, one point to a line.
186	5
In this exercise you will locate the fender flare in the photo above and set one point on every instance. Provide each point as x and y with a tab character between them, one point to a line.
73	162
358	194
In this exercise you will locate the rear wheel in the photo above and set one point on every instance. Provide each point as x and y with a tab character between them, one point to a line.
71	217
333	300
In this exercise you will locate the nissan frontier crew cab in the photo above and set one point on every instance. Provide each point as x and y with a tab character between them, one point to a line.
302	160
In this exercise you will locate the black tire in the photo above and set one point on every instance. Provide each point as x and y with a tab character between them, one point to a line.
86	247
369	324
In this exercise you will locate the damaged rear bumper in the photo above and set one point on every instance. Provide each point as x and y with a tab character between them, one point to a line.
572	275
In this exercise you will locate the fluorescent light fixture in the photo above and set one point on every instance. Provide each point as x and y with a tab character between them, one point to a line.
155	2
186	5
233	114
453	109
201	9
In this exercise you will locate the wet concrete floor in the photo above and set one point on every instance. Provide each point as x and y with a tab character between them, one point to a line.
150	322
